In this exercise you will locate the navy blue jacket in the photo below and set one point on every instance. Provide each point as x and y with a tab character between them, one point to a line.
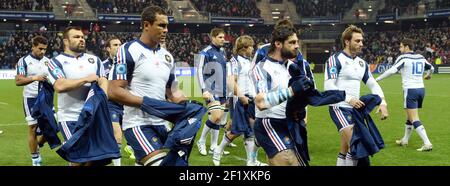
295	107
93	138
187	119
366	139
43	112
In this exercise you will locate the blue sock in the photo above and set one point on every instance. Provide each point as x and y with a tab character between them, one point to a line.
417	124
212	125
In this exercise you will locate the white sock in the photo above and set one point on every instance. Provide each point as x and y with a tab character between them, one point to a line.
250	149
116	162
340	160
214	138
349	161
423	134
205	133
408	132
223	144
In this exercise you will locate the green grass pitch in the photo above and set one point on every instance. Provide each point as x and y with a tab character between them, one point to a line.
322	134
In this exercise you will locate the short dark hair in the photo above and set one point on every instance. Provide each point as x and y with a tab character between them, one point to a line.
149	14
108	42
216	31
281	34
284	22
68	29
408	42
39	40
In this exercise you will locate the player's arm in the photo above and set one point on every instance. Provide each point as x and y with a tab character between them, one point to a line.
119	75
102	80
62	85
200	76
118	92
59	81
21	76
394	69
173	93
267	99
375	88
430	70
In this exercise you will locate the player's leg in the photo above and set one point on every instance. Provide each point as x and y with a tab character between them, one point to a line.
67	128
33	145
414	102
32	127
116	119
408	131
146	145
341	118
273	136
118	136
215	112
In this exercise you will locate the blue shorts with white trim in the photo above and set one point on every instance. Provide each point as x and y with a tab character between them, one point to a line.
341	116
273	135
146	139
413	98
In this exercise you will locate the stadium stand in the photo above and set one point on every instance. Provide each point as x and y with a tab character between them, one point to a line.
229	8
26	5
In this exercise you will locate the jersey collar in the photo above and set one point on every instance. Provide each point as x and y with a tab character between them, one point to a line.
34	57
215	47
148	47
68	55
274	60
346	55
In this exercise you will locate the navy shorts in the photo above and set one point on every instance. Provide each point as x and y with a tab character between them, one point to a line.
273	135
146	139
28	104
67	128
341	116
413	98
240	123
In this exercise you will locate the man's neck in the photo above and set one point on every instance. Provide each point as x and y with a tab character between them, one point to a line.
72	53
144	39
276	56
347	51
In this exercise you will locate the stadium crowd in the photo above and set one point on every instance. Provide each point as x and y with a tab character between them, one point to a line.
230	8
26	5
125	6
321	8
183	46
433	43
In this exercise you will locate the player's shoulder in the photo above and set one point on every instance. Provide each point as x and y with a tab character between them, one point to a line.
206	49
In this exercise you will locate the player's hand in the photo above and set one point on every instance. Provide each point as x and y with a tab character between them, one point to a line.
244	101
427	77
356	103
91	78
39	78
207	96
384	112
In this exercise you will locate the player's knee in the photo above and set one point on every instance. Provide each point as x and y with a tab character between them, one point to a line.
215	116
284	158
154	159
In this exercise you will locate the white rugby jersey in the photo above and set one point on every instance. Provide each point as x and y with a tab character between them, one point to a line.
241	68
270	75
342	72
412	67
148	72
28	66
66	66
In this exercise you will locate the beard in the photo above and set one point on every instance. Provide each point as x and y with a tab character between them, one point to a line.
355	49
287	54
78	49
